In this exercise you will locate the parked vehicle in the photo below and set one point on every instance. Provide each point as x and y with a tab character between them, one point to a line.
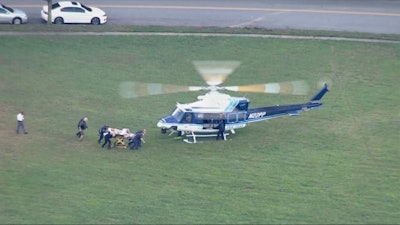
74	12
12	16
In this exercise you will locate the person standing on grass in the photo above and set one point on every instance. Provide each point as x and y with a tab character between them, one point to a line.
107	140
82	126
102	131
20	122
221	129
138	139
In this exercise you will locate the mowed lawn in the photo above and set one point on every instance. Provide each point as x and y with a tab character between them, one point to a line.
338	164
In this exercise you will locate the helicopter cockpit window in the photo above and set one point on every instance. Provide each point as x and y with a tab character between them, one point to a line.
178	114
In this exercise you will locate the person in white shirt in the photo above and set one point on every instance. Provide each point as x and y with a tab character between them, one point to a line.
20	122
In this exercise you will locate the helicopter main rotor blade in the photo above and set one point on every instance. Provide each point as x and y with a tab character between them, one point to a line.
215	72
290	87
137	89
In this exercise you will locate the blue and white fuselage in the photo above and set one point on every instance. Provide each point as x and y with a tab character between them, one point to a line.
204	115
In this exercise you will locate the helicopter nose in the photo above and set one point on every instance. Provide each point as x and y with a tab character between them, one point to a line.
161	123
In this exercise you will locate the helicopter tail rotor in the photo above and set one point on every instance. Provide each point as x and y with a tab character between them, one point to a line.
291	88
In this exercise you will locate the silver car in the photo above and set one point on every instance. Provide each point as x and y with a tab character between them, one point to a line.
12	16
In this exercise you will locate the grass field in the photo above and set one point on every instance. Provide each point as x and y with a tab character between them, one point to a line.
338	164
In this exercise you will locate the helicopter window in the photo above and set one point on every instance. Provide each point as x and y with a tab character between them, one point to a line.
242	116
188	117
213	116
178	114
242	106
236	117
200	116
232	117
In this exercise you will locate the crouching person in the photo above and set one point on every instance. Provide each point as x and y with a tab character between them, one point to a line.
137	140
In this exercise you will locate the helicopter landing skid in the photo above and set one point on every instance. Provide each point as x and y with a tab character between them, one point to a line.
194	136
172	132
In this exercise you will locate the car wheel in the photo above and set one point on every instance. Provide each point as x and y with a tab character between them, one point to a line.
95	21
58	20
16	21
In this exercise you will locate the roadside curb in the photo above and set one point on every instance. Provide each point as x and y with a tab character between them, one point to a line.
7	33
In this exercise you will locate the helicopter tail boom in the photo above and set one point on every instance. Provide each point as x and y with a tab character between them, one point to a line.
266	113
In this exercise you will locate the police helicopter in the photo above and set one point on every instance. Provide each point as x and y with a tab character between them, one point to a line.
202	117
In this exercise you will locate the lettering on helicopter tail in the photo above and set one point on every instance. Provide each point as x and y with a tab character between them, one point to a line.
257	115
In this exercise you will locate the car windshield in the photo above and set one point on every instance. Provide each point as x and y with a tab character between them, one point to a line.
55	6
86	7
8	8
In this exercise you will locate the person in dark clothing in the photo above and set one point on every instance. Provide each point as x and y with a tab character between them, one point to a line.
102	131
221	129
82	126
137	140
107	140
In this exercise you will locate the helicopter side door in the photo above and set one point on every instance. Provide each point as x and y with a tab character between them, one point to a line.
209	121
239	114
236	117
189	123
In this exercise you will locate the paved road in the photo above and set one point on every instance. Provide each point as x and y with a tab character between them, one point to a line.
371	16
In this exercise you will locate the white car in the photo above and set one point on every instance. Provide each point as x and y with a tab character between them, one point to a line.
74	12
13	16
